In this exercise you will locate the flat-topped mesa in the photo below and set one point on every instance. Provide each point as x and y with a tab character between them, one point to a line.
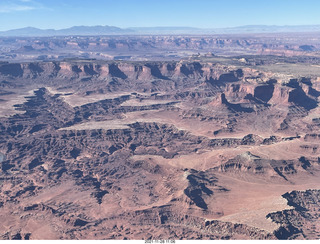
181	145
246	86
246	164
122	70
107	46
214	73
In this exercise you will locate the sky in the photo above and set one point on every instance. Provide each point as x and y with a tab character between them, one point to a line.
59	14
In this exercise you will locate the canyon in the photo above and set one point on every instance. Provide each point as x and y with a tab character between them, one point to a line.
161	47
184	147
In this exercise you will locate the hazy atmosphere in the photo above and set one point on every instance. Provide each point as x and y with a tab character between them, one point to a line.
58	14
159	121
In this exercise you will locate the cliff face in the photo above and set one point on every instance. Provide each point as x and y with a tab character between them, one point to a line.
93	150
130	70
240	85
294	224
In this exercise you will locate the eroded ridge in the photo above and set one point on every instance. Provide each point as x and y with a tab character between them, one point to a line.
195	149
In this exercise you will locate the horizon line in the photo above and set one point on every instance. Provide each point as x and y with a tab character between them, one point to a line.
133	27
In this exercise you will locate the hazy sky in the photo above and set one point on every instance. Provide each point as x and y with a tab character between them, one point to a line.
59	14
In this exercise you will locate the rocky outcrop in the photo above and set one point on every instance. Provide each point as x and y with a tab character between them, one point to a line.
222	84
96	149
271	170
188	227
201	185
302	221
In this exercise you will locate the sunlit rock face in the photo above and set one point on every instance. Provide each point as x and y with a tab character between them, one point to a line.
202	148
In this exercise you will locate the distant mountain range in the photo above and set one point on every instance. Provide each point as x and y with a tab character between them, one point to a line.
112	30
75	30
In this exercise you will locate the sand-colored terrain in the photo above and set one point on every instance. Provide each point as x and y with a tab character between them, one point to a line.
205	148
